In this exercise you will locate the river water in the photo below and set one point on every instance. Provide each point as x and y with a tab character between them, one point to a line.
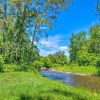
90	82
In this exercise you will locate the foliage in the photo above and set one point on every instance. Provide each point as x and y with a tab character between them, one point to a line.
98	61
85	50
98	7
94	39
46	62
58	58
36	65
76	42
22	25
11	68
83	56
54	60
1	63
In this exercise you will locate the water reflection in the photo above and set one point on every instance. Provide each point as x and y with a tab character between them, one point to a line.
90	82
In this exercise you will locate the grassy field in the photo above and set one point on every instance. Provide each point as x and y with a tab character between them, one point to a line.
28	86
80	69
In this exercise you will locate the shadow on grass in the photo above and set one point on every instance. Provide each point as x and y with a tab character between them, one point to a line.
44	95
40	97
67	93
26	97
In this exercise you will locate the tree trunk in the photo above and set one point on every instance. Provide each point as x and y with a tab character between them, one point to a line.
33	38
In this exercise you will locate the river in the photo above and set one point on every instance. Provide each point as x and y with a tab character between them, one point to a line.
90	82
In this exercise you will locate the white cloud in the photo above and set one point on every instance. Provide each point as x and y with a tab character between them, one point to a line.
45	42
53	44
64	48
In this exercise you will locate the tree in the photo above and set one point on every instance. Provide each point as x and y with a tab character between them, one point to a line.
84	58
22	19
46	62
76	42
94	39
85	49
58	58
98	7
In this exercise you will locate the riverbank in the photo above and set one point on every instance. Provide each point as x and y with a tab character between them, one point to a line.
80	70
73	73
29	86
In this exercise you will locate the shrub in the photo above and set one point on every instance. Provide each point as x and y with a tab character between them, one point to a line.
82	58
46	62
56	65
23	67
98	62
36	65
10	68
92	59
1	63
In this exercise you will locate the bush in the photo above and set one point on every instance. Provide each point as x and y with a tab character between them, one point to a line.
56	65
1	63
92	59
36	65
46	62
98	62
23	67
83	58
10	68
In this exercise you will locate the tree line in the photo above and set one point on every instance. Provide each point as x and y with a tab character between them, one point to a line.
84	50
24	22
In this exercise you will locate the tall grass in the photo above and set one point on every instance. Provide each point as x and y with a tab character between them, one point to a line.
28	86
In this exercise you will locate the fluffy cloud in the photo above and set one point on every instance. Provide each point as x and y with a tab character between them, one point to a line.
52	45
64	48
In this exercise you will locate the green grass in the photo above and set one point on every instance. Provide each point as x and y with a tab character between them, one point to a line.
28	86
80	69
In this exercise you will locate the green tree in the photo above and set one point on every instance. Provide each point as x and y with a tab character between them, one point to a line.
46	62
94	39
84	58
22	19
76	42
98	7
58	58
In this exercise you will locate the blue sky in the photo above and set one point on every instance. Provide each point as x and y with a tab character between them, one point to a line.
81	15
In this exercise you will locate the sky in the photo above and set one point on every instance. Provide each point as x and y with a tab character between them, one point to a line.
80	16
